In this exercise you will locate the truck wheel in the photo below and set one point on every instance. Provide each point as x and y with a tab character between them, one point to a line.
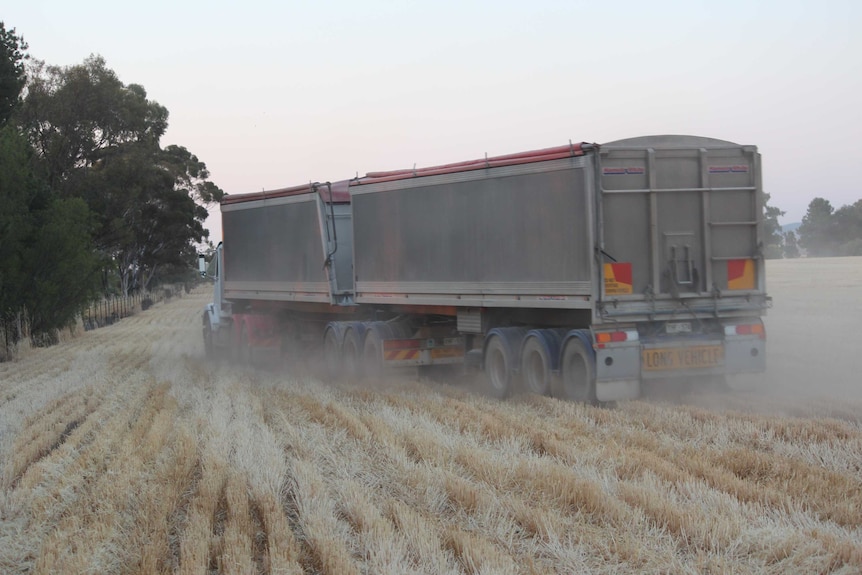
577	377
536	367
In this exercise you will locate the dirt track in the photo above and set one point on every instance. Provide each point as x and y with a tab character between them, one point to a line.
122	451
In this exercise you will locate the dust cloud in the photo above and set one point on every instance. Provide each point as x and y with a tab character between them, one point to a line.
814	361
814	356
813	328
814	346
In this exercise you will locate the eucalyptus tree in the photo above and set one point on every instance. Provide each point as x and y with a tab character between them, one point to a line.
99	139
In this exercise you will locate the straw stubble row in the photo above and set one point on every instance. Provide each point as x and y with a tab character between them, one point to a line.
126	452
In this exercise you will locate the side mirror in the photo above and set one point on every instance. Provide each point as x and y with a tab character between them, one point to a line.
202	265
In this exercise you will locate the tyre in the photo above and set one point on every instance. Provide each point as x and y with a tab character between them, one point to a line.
372	350
536	366
577	372
332	367
500	362
351	350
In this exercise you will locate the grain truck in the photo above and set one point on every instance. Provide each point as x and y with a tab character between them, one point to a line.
580	271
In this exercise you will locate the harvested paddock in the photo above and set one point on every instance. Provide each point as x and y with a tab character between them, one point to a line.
123	451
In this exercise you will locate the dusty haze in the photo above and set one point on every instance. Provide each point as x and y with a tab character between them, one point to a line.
815	327
123	451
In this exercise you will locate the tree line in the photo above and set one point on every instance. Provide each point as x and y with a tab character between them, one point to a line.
90	202
824	231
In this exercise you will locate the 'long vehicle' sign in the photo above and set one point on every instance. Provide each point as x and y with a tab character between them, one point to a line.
689	357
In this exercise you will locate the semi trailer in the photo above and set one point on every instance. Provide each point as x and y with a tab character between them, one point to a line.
580	271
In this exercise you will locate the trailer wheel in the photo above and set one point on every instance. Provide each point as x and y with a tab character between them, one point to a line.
372	343
372	350
351	350
540	356
332	350
536	367
498	369
577	377
502	359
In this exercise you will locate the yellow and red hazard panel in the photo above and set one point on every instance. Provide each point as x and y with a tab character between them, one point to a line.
418	352
401	349
618	278
400	354
740	274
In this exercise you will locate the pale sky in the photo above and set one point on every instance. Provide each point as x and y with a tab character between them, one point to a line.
274	94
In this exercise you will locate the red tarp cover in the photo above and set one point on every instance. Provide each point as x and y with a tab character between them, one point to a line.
481	163
339	193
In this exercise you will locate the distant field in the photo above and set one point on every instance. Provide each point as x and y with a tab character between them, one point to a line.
122	451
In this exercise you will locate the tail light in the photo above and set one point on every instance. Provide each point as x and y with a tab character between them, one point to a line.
606	337
746	329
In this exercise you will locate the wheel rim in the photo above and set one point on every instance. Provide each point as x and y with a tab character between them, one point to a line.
497	368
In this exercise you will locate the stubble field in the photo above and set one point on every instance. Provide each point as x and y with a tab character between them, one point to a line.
122	451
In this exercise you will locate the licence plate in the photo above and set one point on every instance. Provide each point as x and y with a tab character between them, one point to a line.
446	352
678	327
678	358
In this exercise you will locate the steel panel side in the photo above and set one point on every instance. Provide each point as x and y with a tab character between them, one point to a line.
278	291
297	287
516	225
278	244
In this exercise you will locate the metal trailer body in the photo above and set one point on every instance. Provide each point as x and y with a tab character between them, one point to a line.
284	251
579	271
682	217
649	250
515	236
289	245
